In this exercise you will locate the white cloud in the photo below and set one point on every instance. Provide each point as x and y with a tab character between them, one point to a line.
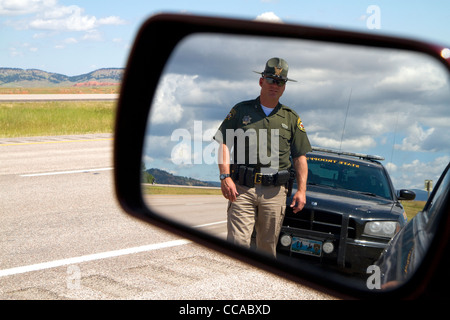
20	7
73	23
391	167
268	17
112	20
353	144
71	18
413	174
417	77
166	107
93	35
49	15
416	138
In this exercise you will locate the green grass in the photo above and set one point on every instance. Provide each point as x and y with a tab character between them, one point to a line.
25	119
412	207
157	190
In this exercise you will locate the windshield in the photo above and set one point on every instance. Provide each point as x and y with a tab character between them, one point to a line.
348	175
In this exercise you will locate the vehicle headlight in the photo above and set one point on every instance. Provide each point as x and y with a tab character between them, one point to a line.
381	228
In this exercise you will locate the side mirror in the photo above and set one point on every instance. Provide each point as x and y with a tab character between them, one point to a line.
404	194
144	127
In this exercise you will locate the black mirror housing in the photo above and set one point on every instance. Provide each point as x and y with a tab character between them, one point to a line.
404	194
151	51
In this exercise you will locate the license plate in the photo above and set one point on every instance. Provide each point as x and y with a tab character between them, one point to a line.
306	246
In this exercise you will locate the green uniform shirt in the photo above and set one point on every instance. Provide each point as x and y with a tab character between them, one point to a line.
258	130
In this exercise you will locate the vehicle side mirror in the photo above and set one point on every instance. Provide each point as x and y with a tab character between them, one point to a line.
404	194
154	127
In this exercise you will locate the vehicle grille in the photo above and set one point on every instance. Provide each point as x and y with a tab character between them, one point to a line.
317	220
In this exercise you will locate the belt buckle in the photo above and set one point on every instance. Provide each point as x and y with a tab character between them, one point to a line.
258	178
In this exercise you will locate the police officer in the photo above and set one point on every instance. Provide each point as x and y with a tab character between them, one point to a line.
264	135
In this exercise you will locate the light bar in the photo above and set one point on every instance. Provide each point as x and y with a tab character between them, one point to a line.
359	155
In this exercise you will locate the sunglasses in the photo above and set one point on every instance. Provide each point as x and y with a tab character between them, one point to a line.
278	82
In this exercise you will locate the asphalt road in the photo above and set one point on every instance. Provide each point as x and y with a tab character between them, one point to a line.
63	235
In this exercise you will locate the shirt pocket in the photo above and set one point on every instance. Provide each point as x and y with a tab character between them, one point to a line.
285	138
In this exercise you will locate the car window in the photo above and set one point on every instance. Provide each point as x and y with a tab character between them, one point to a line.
348	175
435	205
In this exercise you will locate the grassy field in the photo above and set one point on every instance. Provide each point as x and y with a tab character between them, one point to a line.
61	90
412	207
157	190
26	119
42	118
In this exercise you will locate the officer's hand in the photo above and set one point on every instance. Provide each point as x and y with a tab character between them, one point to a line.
298	201
229	189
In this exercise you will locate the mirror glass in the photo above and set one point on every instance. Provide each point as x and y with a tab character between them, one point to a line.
353	99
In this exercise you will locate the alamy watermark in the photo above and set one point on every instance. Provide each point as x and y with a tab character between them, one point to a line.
373	21
73	279
374	280
246	147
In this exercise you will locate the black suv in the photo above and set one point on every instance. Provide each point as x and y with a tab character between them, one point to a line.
352	211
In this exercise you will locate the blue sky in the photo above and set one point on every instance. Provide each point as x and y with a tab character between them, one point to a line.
76	37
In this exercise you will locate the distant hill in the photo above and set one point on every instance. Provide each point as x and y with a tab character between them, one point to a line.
421	195
14	77
164	177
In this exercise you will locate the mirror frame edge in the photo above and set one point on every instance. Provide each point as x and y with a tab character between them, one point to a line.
131	123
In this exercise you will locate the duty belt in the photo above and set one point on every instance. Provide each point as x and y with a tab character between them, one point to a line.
249	176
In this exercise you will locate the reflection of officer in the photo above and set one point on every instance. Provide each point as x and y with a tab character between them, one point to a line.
259	130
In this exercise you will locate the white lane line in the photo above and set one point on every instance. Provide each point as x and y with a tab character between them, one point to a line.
99	256
91	257
48	142
64	172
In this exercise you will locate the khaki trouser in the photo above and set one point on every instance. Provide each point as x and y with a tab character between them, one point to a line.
262	208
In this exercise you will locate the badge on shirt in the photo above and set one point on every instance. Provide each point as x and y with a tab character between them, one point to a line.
300	125
246	120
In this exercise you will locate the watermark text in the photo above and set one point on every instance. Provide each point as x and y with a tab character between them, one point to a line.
373	21
246	147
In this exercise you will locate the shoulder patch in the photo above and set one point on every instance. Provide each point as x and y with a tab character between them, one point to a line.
300	125
231	114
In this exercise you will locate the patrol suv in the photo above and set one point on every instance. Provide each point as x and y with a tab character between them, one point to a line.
352	211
